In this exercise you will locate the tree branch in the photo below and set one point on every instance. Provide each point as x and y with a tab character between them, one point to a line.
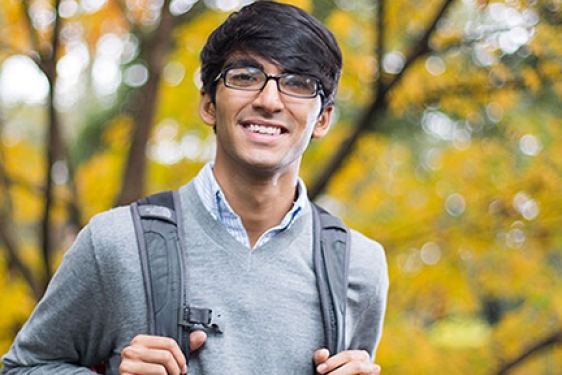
16	261
54	145
34	39
154	50
551	340
422	47
377	107
380	47
11	248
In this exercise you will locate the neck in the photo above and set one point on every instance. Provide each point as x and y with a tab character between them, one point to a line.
261	200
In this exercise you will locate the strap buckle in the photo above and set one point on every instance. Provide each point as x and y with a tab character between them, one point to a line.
200	316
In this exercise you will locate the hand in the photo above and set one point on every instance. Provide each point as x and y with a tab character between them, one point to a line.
155	355
349	362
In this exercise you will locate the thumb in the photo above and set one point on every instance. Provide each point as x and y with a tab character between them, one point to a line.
321	356
196	340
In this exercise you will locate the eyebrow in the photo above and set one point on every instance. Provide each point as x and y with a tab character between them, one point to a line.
243	62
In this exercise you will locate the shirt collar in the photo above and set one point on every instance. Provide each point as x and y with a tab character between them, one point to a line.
215	202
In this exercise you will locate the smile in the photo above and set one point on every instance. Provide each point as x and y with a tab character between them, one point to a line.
262	129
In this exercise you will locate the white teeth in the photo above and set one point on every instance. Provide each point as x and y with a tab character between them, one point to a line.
264	129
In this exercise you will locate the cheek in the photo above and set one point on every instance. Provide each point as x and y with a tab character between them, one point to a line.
314	111
225	111
229	107
308	112
311	121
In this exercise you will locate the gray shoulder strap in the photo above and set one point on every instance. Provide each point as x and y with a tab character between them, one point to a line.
156	227
161	244
331	260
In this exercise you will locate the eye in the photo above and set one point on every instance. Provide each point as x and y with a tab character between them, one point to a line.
299	84
244	77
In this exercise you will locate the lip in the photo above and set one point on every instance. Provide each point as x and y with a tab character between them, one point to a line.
260	136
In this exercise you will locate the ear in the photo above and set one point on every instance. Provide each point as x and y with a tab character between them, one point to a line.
207	109
323	122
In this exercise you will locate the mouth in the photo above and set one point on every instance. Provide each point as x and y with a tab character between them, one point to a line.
264	129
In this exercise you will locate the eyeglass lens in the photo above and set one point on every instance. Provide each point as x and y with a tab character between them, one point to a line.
256	79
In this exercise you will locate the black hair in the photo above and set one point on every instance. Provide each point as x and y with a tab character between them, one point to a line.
281	34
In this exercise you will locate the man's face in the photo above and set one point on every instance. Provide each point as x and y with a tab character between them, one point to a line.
265	130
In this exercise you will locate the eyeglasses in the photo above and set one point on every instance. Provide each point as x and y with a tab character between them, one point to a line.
254	79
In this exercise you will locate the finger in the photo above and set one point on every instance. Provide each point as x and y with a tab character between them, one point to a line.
357	368
141	360
320	358
321	355
348	362
196	340
155	342
159	350
144	368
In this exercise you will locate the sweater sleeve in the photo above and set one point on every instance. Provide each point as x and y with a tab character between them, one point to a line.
367	294
65	333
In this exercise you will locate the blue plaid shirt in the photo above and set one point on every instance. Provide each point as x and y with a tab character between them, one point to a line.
215	202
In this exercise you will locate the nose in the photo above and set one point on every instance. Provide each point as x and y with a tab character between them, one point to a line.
269	98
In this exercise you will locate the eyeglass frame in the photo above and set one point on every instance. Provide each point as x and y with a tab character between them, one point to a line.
276	78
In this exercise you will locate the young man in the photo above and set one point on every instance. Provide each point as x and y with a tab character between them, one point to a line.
270	74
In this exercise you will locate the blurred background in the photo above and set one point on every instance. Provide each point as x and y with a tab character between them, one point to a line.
444	148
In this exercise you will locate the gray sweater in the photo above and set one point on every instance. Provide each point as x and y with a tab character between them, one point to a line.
267	297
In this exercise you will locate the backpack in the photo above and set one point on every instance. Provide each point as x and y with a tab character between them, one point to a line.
159	230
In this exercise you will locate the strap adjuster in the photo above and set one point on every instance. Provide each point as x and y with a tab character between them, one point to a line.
200	316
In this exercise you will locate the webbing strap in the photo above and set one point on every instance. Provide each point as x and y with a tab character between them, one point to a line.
161	259
161	243
331	259
143	254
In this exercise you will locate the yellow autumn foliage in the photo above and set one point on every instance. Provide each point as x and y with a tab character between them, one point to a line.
15	306
466	202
